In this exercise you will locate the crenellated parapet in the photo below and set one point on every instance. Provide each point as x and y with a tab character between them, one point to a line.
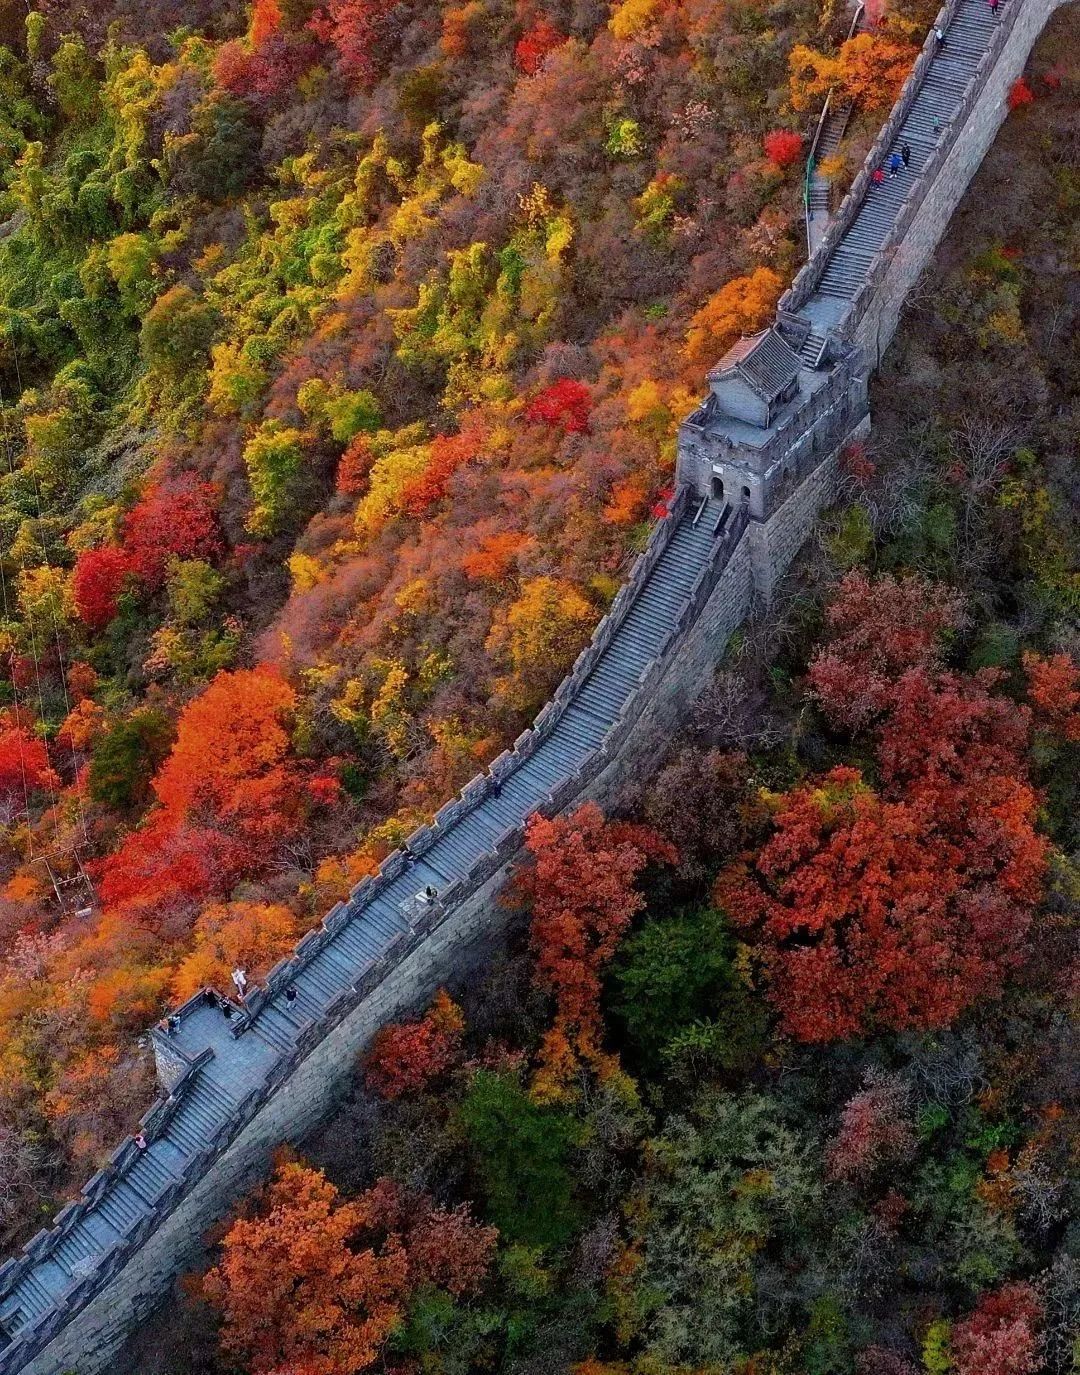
798	387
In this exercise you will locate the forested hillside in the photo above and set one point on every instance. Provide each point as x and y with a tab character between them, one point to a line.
778	1076
341	350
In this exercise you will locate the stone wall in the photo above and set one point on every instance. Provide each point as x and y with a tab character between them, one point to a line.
902	266
315	1085
86	1344
746	584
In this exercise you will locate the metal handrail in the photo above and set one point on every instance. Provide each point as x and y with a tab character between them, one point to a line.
811	157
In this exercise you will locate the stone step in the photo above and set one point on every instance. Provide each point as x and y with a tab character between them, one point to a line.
121	1206
149	1177
76	1248
274	1027
320	981
588	722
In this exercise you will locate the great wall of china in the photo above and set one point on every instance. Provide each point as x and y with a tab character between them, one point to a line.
756	463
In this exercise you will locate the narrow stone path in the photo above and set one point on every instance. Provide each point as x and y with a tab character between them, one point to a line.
231	1066
953	66
828	143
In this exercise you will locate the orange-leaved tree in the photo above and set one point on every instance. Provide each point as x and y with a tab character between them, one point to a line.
231	760
229	793
868	71
580	884
252	934
311	1283
316	1283
873	67
1054	689
741	306
264	22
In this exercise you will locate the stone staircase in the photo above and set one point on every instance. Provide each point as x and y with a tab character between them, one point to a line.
966	40
813	346
832	131
120	1204
826	142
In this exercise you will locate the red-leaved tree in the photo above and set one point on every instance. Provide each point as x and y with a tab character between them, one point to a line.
444	1247
877	629
265	69
96	583
873	915
448	454
875	1130
900	907
355	28
564	404
406	1056
167	868
581	887
1000	1337
1020	94
174	519
782	147
24	767
535	44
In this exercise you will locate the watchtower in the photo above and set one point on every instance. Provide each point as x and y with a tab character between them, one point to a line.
756	378
767	421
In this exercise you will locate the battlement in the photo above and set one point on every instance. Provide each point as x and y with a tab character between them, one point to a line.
765	419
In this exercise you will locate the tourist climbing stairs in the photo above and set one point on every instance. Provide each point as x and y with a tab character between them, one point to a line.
953	66
238	1064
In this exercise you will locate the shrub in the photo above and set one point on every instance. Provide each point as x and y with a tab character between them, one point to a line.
782	147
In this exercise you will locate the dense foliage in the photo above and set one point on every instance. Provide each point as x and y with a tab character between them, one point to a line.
779	1076
803	1104
341	352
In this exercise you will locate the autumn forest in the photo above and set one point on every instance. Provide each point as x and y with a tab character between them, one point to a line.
342	349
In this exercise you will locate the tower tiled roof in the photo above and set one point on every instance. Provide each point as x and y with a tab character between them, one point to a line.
764	361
